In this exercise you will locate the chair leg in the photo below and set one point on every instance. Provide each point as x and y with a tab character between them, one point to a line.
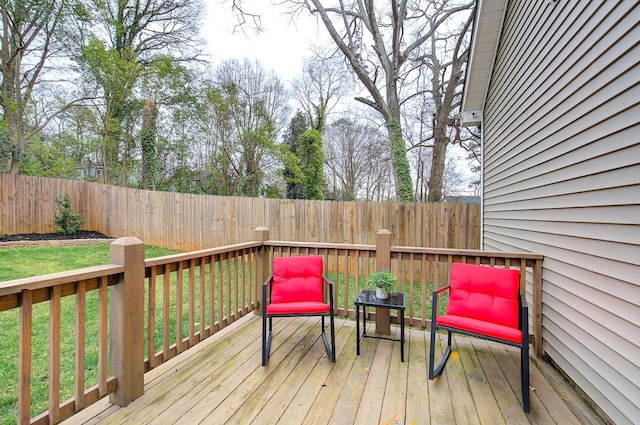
333	339
331	349
263	307
266	340
432	346
524	368
524	353
434	371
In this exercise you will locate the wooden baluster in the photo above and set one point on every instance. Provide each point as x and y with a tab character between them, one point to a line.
24	361
54	354
81	309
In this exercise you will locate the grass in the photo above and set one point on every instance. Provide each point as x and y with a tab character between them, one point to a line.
27	262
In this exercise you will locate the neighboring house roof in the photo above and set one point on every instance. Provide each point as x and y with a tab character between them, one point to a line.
484	45
462	199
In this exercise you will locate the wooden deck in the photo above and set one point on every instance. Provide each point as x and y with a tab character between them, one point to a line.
221	381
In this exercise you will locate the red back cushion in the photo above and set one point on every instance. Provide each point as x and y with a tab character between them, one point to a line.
297	279
484	293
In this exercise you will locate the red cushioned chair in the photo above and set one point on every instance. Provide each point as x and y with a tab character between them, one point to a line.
297	288
484	302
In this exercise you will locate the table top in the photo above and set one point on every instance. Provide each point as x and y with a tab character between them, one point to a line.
367	297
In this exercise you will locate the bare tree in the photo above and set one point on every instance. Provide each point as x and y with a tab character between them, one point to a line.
445	55
26	39
320	88
430	110
356	161
147	27
384	44
244	110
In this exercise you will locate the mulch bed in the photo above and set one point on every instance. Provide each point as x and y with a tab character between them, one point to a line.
80	234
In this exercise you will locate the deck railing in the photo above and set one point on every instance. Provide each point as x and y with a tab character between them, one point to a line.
149	311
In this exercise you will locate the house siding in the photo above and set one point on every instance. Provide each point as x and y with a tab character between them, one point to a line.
561	172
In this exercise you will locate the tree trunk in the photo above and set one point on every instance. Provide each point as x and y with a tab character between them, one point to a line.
440	143
12	97
148	143
401	170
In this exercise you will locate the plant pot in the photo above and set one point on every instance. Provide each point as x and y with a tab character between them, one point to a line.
382	294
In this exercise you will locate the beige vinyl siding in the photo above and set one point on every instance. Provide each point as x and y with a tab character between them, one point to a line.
561	136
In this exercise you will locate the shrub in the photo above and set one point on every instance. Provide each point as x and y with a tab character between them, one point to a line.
67	220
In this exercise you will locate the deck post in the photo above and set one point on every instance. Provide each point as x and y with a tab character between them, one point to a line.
383	262
262	265
537	307
126	303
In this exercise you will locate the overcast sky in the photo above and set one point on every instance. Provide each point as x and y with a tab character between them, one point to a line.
281	46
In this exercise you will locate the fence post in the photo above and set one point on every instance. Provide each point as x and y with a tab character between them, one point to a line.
383	262
262	264
126	302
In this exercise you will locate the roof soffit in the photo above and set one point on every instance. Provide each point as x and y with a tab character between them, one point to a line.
484	44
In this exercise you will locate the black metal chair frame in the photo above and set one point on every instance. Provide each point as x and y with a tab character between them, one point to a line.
434	371
266	337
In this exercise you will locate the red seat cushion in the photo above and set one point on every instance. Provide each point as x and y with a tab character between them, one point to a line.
297	286
481	327
298	308
485	299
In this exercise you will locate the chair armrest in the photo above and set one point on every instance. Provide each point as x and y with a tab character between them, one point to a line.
444	288
434	305
265	285
330	284
524	316
523	302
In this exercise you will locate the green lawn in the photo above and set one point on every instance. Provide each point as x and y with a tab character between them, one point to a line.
26	262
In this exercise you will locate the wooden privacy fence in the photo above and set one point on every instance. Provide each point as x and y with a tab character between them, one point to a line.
150	311
187	221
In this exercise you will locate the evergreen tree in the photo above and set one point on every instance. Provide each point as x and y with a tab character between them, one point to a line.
311	156
297	126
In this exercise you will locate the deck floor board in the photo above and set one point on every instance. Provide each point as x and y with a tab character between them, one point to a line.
221	381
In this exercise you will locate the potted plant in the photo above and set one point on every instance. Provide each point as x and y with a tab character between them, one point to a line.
384	281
